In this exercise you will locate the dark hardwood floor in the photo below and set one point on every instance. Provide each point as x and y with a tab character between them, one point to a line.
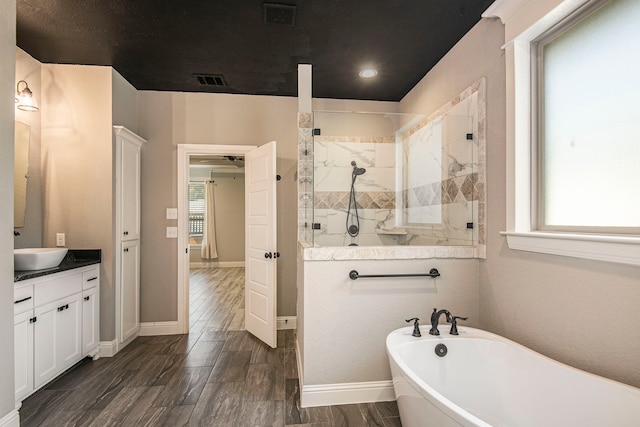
217	375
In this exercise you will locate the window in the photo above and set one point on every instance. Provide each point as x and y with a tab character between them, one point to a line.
196	212
588	121
565	199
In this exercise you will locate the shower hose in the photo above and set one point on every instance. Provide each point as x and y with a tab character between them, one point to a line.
353	229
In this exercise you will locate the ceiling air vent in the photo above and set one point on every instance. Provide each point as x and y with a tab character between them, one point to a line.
211	80
280	14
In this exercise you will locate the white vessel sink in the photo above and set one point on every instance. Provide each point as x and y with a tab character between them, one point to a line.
37	258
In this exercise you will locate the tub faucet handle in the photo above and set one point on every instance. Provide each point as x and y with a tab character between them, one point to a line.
416	326
454	324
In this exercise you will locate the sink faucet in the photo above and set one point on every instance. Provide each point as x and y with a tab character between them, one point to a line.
435	316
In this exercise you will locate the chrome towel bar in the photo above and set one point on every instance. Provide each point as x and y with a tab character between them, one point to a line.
353	274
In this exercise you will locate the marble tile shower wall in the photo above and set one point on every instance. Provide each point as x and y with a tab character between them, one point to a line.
441	183
375	189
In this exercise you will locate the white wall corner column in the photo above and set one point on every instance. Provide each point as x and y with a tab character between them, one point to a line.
305	198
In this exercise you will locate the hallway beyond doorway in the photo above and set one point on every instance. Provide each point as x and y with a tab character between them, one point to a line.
216	299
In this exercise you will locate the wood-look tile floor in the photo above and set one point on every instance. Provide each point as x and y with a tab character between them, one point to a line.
217	375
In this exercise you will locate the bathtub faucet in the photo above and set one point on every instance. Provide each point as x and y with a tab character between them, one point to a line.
435	316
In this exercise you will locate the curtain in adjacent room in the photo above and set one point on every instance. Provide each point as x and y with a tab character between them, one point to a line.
209	249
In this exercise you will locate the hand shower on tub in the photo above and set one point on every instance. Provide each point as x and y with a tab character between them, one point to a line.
353	221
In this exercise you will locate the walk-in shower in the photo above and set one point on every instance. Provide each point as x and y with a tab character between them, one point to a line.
388	179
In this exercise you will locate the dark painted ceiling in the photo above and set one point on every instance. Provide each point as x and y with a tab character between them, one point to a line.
163	44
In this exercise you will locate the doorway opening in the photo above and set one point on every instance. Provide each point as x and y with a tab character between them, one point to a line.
213	290
216	243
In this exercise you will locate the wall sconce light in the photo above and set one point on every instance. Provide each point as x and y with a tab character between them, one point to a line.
24	98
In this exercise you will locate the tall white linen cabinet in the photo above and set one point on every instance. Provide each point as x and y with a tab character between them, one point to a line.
127	234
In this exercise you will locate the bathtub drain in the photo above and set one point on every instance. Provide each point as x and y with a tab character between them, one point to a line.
441	350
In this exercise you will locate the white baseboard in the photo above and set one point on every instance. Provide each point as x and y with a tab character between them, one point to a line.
158	328
12	419
343	394
216	264
108	348
300	365
286	322
171	327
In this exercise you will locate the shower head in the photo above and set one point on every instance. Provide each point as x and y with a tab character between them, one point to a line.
356	170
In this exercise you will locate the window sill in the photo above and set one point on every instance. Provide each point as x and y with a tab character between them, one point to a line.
619	249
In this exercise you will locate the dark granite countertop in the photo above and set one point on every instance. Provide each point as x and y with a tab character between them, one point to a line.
75	258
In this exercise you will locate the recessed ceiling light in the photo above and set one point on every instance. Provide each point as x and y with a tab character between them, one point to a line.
367	73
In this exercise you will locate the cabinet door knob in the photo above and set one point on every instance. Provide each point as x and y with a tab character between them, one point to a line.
126	249
33	320
268	255
126	233
86	298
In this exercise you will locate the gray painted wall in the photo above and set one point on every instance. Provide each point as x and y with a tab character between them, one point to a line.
580	312
124	103
168	119
7	91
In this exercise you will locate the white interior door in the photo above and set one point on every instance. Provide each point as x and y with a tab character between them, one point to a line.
260	243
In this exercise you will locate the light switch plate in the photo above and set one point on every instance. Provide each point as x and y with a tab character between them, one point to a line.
172	213
172	232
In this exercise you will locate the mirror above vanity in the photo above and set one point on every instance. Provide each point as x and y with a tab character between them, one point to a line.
20	172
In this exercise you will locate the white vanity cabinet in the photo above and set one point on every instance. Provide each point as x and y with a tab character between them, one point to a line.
54	326
23	319
90	313
57	338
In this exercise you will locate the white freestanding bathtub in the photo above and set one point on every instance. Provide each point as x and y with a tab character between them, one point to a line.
488	380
